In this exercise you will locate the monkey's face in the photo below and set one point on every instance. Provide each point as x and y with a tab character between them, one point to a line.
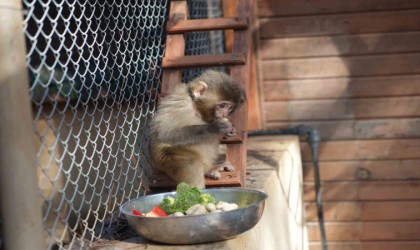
223	109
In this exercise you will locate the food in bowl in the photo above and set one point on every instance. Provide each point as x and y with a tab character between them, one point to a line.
188	201
197	229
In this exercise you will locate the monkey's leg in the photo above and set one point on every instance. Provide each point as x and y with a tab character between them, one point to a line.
227	166
192	174
184	165
214	173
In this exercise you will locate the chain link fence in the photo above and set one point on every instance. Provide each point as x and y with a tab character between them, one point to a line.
95	71
203	42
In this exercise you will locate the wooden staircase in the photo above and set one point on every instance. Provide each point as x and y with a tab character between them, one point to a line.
237	61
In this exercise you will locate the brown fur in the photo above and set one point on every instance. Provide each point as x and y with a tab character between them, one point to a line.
185	131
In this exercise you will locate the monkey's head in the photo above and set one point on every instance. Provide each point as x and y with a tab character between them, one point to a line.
216	95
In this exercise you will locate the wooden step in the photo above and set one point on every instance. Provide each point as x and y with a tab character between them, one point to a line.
183	26
237	139
159	180
202	61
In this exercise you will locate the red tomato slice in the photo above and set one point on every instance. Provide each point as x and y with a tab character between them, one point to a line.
158	211
137	212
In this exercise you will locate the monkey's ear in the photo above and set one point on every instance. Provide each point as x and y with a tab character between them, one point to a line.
198	88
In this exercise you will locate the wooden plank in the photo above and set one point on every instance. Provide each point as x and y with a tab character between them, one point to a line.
175	47
364	170
379	22
366	191
269	8
237	153
183	26
335	88
19	194
359	129
373	108
367	245
345	45
202	61
335	231
237	139
159	180
372	231
229	10
333	67
387	149
372	245
254	96
365	211
334	211
390	211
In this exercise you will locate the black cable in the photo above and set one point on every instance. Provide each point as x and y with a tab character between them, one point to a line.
314	140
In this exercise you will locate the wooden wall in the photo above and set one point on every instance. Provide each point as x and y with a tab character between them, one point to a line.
351	69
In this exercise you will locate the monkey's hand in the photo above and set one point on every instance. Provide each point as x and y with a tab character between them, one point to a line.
231	133
222	126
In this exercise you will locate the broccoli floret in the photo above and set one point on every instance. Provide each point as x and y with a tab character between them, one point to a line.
206	199
187	197
182	188
167	205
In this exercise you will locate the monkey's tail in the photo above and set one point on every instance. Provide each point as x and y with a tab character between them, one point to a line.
314	139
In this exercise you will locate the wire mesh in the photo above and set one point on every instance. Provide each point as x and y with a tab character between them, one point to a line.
94	71
203	42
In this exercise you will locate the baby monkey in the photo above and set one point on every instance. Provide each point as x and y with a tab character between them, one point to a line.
187	126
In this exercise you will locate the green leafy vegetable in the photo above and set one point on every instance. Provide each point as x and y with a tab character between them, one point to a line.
187	197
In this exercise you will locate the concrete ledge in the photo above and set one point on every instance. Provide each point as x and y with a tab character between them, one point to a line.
274	166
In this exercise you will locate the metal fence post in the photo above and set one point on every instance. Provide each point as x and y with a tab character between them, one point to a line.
20	202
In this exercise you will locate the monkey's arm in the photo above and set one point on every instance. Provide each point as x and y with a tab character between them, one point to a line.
189	135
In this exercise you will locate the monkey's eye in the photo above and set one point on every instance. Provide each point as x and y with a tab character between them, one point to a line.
222	106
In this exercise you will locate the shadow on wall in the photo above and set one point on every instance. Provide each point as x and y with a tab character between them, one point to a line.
336	72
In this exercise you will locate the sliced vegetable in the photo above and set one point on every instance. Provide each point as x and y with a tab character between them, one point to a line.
158	211
137	212
187	196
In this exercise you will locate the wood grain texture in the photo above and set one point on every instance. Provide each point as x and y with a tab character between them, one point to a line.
356	23
343	45
237	153
229	10
270	8
369	231
386	149
351	70
202	61
175	47
365	170
159	180
360	129
183	26
345	87
334	67
366	191
368	245
342	109
365	211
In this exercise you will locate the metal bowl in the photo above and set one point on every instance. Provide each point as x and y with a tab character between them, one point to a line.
195	229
